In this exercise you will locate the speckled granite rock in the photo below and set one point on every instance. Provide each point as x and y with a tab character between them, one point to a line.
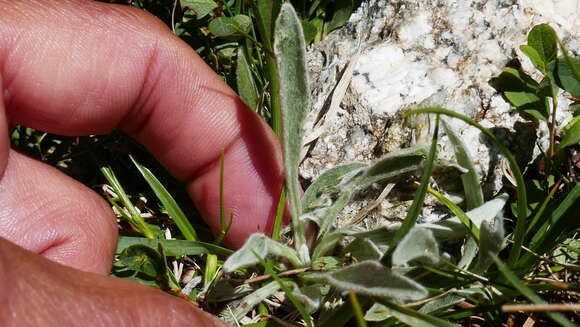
404	53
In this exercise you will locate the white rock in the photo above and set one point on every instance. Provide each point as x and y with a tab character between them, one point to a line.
432	52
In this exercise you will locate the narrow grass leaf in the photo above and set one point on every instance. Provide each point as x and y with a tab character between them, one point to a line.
290	52
414	318
262	246
555	226
530	294
211	266
245	81
453	228
134	216
418	245
356	307
371	278
469	225
173	248
471	186
168	202
522	199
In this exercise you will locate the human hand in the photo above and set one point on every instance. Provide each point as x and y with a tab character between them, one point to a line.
78	68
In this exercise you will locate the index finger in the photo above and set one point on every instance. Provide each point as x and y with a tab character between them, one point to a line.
79	67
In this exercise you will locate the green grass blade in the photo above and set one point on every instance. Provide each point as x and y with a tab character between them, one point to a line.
471	187
358	313
522	201
168	202
529	294
415	318
290	51
211	265
465	220
417	204
173	248
280	211
134	217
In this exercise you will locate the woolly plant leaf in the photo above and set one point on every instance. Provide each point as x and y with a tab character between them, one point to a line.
232	315
393	164
418	245
262	246
471	186
325	183
290	52
371	278
363	249
491	242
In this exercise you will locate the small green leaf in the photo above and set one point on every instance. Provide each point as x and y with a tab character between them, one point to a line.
200	8
542	39
572	133
245	81
230	27
310	31
143	259
290	52
373	279
419	245
564	75
264	247
341	11
534	57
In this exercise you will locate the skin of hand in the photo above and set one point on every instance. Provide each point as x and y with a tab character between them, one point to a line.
76	67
